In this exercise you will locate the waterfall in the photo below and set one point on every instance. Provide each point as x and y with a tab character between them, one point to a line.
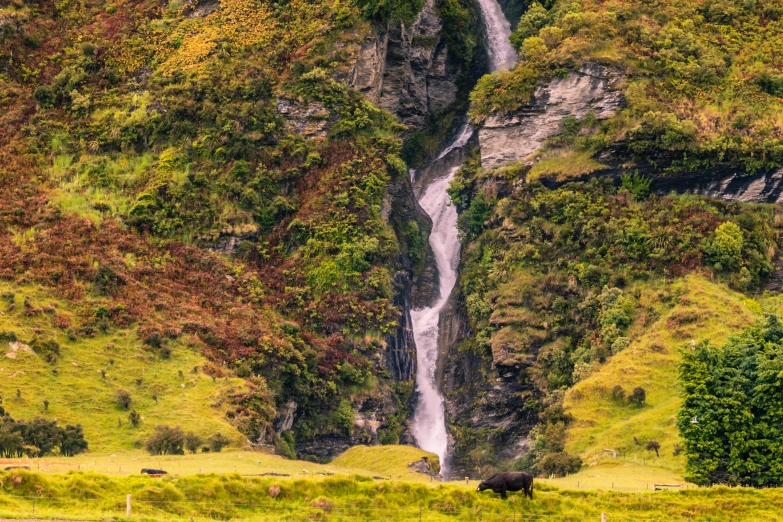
501	53
429	422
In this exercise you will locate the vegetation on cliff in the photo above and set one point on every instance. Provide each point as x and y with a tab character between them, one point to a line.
703	78
556	281
140	137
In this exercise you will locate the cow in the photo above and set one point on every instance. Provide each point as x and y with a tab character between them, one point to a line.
508	481
153	472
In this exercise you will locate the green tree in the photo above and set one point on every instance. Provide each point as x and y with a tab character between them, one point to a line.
724	250
732	414
166	441
193	442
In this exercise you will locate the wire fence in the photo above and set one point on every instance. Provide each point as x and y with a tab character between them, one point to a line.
89	509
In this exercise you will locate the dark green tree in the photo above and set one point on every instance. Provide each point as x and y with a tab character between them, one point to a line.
732	414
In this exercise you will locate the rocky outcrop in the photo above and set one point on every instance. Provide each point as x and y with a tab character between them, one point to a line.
730	186
486	399
509	138
405	69
372	415
309	121
425	467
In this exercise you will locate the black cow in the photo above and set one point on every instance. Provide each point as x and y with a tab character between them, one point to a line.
509	481
153	472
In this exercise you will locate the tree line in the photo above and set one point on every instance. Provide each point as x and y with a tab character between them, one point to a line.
38	438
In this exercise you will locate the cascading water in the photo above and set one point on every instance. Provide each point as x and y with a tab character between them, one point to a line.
429	422
501	53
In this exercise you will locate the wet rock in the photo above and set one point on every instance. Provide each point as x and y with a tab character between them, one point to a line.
509	138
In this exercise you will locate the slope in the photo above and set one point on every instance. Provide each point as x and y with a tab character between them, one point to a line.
692	308
167	386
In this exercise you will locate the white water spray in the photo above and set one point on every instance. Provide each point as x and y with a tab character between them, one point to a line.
501	53
429	422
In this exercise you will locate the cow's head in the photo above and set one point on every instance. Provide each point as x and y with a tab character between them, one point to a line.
482	486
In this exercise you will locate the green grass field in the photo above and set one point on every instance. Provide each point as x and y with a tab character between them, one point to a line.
377	461
91	496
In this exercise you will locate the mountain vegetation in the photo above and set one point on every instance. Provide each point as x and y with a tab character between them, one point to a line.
703	78
209	239
143	138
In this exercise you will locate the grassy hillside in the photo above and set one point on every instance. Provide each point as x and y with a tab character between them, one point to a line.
391	461
141	137
166	387
694	309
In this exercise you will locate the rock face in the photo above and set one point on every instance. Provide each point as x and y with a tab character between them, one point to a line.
405	69
731	186
371	415
485	399
510	138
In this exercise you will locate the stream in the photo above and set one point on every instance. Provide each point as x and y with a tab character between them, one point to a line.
429	420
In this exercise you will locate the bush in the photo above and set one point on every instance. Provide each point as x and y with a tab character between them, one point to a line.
48	349
217	442
618	393
653	445
638	397
390	9
344	416
123	399
193	442
559	464
134	418
284	445
724	251
166	441
105	281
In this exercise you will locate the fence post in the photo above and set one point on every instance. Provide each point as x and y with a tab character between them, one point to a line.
34	495
421	510
128	506
603	517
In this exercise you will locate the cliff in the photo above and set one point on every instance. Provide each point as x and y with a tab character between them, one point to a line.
404	68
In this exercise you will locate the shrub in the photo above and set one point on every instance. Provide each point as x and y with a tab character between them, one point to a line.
503	91
134	418
618	393
193	442
105	281
166	441
284	445
638	397
724	250
559	464
123	399
653	445
48	349
344	416
217	442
